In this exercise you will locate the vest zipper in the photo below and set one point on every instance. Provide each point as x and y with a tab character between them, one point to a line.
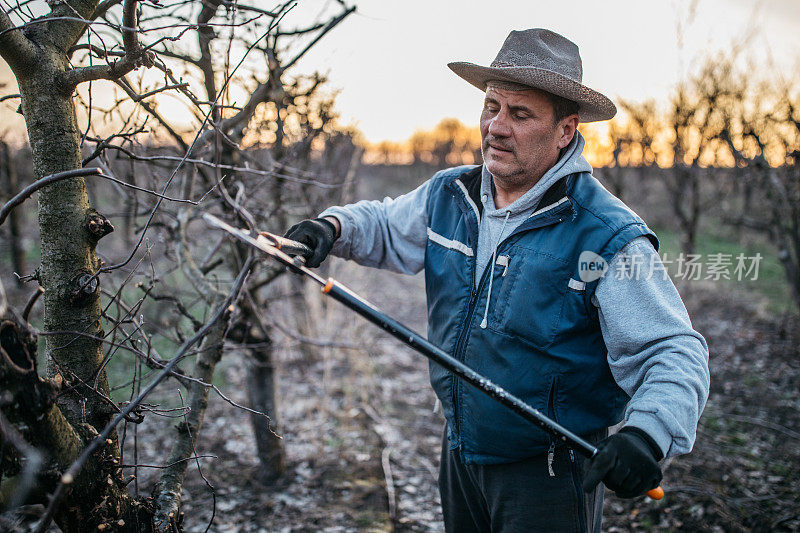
475	293
460	342
576	481
551	412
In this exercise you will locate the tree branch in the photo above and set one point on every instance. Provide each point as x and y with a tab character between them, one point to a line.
205	34
69	476
155	114
168	492
25	193
38	184
271	90
103	7
68	21
332	24
17	50
135	56
33	462
265	92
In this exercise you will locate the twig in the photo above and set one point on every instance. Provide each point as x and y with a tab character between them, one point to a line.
152	362
244	170
69	476
5	30
235	5
380	429
208	267
25	193
148	191
139	97
103	7
329	27
391	493
38	184
33	462
764	423
141	465
31	302
311	340
135	56
184	158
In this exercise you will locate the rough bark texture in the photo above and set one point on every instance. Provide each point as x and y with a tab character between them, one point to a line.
89	504
168	490
62	424
263	398
67	250
14	230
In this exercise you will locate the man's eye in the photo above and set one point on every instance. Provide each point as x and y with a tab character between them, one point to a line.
520	116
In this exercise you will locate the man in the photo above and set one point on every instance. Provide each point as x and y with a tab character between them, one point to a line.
513	253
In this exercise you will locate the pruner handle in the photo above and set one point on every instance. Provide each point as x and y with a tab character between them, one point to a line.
656	493
287	246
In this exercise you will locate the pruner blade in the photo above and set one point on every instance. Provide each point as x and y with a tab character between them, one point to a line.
277	247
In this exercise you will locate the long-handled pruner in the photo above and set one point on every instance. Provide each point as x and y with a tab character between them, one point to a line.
281	249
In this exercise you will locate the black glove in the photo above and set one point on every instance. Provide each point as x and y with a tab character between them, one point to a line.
318	234
627	462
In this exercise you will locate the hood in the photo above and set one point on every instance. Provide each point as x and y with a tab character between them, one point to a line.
570	162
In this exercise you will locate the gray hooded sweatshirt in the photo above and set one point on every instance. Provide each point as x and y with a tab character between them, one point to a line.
654	354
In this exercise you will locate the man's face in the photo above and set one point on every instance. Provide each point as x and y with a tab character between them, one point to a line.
519	140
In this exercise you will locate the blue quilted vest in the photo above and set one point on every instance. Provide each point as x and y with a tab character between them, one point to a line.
543	341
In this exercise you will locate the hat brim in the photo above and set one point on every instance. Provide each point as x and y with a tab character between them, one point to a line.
594	106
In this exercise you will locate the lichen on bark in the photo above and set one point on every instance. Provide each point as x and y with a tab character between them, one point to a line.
66	248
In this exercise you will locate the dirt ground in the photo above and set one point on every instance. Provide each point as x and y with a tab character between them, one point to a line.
360	430
362	438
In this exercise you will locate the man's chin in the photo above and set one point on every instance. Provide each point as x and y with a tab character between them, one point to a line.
498	169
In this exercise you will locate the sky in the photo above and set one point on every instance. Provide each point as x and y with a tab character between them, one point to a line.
388	60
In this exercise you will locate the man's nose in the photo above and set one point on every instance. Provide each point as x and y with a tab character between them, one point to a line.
499	126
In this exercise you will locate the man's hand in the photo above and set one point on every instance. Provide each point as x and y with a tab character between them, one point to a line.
627	462
318	234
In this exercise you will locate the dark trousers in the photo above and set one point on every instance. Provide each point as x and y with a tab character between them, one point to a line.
519	497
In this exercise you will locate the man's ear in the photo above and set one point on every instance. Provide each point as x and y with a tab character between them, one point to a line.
566	129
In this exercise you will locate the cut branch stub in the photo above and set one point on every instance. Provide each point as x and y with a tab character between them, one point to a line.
97	225
82	287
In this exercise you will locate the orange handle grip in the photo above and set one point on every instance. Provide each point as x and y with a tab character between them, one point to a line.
656	493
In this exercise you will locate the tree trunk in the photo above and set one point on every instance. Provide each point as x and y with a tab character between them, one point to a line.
68	257
97	496
15	234
71	297
263	397
131	208
168	491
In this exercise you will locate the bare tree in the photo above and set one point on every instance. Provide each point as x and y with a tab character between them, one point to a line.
684	138
8	170
259	155
762	132
633	144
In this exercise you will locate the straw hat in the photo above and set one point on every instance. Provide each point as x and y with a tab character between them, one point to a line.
544	60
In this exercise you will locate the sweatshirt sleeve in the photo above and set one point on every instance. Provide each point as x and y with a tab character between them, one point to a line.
389	233
654	353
